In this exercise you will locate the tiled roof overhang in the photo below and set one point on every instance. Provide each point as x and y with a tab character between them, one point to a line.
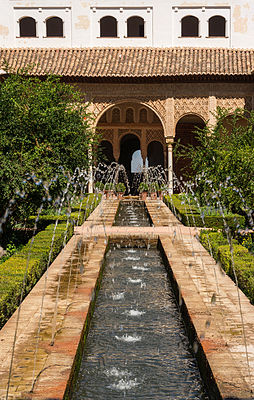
133	63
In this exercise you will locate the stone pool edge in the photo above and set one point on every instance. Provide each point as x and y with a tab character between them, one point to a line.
58	383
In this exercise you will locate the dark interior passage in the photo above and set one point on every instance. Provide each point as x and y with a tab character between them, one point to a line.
129	145
185	135
106	152
155	154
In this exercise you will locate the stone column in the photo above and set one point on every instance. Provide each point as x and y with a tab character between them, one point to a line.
90	181
90	158
169	142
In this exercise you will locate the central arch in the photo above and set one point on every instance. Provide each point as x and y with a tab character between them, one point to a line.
136	135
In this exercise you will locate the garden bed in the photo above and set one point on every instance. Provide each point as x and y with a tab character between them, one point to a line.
17	274
190	215
22	270
80	212
238	265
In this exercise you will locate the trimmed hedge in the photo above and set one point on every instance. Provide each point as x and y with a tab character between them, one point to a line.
243	260
189	215
12	271
77	217
46	220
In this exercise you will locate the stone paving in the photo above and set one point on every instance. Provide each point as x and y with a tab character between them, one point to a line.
44	357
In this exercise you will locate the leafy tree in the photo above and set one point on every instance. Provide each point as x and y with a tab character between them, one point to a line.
44	125
223	161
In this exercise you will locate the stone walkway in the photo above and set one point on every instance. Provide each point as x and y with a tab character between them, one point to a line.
44	357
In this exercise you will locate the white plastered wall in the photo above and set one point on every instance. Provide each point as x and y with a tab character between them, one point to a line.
162	22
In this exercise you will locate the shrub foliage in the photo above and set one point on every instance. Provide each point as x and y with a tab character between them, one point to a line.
13	270
223	162
241	264
190	215
45	129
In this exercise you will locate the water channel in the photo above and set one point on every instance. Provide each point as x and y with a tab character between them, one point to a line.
132	213
137	347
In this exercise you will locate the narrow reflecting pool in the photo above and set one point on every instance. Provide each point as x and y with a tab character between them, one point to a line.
132	213
137	347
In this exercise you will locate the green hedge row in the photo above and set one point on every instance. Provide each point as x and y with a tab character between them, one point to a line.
78	215
189	215
243	260
12	271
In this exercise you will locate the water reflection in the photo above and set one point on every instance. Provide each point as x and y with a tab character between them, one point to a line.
137	347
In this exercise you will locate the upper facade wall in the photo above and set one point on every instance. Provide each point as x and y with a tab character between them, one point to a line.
162	23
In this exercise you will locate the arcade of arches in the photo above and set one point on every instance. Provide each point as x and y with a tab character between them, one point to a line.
133	135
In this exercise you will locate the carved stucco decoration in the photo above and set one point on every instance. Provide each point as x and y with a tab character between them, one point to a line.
191	105
158	105
155	134
231	103
107	134
100	105
122	132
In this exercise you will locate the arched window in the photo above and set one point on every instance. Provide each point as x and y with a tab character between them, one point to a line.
190	26
54	27
108	27
217	26
143	115
115	115
129	115
27	27
135	27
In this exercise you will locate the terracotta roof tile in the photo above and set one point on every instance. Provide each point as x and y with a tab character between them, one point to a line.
130	62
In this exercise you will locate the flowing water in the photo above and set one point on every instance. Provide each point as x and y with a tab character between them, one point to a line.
132	213
137	347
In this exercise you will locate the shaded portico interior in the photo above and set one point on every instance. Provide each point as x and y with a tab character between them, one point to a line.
129	128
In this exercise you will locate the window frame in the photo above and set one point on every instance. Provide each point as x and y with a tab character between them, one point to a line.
225	27
46	21
35	25
127	27
116	21
198	26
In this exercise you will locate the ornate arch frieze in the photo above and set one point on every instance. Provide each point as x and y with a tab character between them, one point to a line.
107	134
191	105
101	104
122	132
158	105
155	135
231	103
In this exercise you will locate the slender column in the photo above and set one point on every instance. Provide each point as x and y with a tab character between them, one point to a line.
90	169
169	142
90	181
